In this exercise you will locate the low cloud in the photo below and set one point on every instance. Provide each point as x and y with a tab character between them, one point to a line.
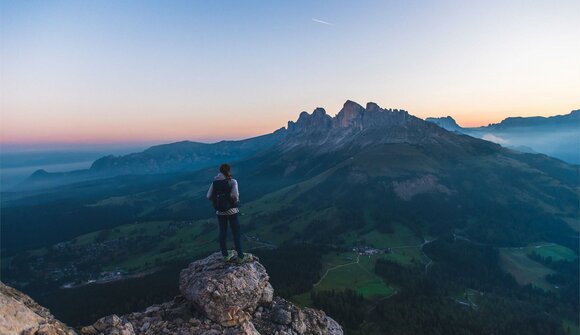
495	139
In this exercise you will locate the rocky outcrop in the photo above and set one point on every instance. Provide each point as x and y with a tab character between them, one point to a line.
19	314
226	294
358	126
221	299
217	299
407	189
110	325
351	118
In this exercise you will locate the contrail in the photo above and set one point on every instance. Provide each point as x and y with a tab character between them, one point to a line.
321	21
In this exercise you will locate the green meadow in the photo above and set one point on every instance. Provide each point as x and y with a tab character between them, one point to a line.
525	271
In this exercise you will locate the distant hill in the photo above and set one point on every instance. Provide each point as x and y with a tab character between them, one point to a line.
167	158
557	136
446	122
571	120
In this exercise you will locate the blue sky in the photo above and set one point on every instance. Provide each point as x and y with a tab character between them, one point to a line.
131	71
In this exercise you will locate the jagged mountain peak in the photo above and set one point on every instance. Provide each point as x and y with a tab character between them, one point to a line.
372	107
445	122
379	125
352	115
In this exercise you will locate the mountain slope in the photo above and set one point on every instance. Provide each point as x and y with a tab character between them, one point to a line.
557	136
396	168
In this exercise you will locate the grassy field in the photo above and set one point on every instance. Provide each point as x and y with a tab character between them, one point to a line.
408	256
525	271
517	262
357	274
554	251
347	270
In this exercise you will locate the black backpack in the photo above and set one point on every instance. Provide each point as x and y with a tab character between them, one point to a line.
221	195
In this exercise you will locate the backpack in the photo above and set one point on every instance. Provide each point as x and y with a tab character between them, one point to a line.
221	195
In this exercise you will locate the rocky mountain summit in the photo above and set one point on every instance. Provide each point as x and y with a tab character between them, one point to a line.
362	126
216	299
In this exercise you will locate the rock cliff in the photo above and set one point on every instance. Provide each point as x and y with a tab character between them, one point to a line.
216	299
19	314
357	126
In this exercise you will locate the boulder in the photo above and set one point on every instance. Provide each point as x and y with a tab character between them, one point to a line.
226	293
283	317
221	299
109	325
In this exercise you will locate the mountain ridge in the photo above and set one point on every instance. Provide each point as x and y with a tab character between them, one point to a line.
571	119
179	156
352	118
557	136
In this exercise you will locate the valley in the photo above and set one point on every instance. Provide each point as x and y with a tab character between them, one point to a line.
375	216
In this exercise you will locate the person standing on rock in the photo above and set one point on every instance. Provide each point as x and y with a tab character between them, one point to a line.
225	196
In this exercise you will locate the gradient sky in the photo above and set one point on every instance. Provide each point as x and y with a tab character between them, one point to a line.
146	71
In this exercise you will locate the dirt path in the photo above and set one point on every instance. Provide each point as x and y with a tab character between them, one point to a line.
430	262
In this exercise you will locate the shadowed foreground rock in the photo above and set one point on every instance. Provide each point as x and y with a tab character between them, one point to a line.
221	299
217	299
19	314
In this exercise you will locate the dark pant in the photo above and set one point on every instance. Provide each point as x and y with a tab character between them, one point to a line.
235	225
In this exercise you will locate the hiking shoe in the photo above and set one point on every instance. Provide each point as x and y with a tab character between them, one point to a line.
242	260
229	257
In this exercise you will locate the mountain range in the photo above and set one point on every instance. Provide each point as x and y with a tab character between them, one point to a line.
557	136
166	158
367	178
391	158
